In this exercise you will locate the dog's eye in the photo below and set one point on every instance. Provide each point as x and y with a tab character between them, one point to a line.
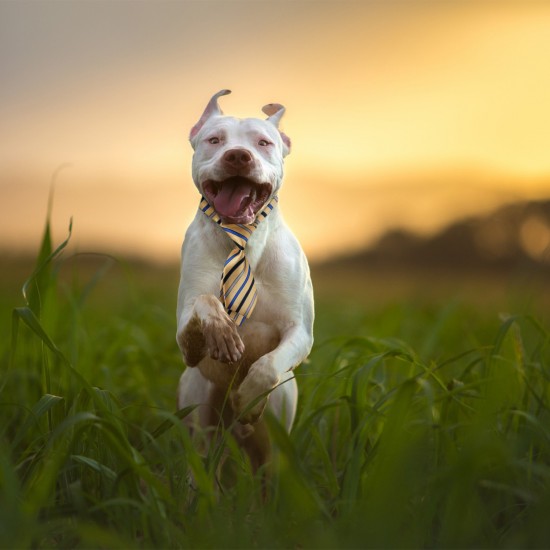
263	143
214	140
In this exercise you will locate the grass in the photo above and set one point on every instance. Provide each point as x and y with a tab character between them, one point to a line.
423	422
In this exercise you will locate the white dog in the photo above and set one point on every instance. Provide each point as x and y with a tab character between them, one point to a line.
236	355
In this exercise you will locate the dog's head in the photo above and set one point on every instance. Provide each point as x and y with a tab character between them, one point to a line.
238	163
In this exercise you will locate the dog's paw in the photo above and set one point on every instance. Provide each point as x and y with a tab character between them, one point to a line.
262	377
223	342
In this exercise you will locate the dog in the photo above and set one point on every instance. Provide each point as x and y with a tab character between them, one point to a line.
237	367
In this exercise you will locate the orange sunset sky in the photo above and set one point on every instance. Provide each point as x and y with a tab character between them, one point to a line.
402	113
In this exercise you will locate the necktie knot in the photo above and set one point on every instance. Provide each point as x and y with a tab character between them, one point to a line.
238	292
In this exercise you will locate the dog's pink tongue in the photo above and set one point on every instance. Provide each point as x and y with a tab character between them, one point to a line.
229	200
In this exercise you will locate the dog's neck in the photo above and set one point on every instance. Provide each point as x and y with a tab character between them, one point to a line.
266	231
209	211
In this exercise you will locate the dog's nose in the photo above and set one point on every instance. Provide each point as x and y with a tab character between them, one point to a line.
238	158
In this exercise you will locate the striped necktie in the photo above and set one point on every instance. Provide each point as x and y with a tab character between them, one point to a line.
238	292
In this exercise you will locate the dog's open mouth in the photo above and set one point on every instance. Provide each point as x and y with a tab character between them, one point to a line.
236	199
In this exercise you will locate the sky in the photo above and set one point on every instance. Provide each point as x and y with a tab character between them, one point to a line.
402	113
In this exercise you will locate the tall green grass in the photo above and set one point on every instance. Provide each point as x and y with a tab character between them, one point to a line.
420	424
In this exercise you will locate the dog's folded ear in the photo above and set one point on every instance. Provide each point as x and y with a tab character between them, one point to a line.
274	112
212	109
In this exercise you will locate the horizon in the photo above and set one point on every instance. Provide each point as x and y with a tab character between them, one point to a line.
502	238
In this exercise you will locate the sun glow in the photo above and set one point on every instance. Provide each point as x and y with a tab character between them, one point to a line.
421	112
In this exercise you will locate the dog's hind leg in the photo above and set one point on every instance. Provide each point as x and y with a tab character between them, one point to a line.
195	389
212	407
283	400
211	416
255	441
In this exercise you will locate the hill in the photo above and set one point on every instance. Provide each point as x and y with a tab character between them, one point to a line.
516	236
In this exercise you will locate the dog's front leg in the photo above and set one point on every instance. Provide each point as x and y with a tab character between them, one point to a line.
207	330
270	370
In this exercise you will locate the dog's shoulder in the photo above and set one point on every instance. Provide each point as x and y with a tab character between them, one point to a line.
283	262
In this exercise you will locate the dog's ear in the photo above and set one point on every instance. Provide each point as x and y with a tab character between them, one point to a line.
212	109
274	112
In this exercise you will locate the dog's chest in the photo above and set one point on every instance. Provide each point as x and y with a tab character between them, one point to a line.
210	247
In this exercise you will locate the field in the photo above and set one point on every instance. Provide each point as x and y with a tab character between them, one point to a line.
423	422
